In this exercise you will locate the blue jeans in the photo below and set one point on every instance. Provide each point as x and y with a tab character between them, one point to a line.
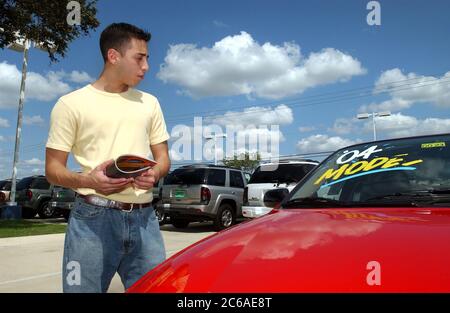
102	241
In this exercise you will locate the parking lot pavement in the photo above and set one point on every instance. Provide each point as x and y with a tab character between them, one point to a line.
33	263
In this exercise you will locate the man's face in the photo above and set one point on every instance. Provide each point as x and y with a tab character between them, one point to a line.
133	62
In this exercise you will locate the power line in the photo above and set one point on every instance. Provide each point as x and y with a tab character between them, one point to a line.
323	95
334	99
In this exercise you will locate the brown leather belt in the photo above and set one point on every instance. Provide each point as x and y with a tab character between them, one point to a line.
107	203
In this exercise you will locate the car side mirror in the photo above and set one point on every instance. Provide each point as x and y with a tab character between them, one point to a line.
274	197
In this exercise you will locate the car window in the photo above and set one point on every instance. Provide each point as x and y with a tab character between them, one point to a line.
5	185
40	183
280	173
381	172
186	176
216	177
236	179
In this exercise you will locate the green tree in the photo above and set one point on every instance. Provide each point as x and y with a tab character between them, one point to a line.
45	22
244	161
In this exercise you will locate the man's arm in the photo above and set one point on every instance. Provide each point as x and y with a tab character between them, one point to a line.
161	155
58	174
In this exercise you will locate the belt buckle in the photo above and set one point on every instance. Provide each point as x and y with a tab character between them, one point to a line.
130	209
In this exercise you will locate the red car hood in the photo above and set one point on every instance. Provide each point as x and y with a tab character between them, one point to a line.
316	250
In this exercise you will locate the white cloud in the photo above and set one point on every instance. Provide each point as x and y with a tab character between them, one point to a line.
280	115
323	143
37	171
33	120
2	138
409	89
184	145
37	87
79	77
393	126
34	161
238	65
4	122
392	105
399	125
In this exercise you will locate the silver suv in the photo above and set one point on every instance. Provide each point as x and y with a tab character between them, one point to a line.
204	192
268	176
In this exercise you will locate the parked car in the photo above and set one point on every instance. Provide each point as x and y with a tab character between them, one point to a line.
283	174
33	194
157	202
204	192
62	201
372	217
5	190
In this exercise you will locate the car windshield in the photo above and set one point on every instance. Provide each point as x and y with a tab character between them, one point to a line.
400	172
186	176
280	173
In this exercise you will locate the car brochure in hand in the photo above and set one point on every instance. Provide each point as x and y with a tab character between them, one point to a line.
129	165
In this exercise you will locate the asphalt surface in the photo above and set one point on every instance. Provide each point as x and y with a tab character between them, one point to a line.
33	263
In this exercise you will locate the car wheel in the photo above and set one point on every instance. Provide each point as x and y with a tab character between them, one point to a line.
180	223
160	215
225	218
46	211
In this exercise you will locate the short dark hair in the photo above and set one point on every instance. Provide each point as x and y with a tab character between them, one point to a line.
118	35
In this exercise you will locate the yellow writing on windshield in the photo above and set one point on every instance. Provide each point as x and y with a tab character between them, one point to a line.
364	166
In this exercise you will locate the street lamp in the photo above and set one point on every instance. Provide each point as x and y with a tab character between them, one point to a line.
215	144
373	114
22	44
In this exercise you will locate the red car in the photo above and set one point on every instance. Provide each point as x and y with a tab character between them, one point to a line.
373	217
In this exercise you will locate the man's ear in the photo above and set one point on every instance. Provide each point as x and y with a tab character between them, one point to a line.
113	56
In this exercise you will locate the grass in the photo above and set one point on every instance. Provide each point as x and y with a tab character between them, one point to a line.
18	228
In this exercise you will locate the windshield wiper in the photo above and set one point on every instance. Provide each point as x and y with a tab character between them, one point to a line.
438	191
415	194
313	202
417	198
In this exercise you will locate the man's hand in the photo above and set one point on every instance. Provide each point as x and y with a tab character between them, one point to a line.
104	184
147	179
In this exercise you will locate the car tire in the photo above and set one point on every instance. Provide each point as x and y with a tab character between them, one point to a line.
226	217
46	211
159	212
66	214
179	223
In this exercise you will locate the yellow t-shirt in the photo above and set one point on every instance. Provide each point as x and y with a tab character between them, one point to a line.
97	126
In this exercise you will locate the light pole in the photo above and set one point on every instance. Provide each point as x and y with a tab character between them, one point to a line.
215	144
21	45
373	114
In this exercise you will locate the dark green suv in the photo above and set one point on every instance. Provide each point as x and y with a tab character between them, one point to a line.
62	201
33	194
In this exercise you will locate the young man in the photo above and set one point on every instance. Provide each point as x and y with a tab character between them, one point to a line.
113	227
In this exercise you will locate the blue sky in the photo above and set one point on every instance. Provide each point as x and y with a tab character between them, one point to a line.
307	66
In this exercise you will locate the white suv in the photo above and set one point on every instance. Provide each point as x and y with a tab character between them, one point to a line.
284	174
